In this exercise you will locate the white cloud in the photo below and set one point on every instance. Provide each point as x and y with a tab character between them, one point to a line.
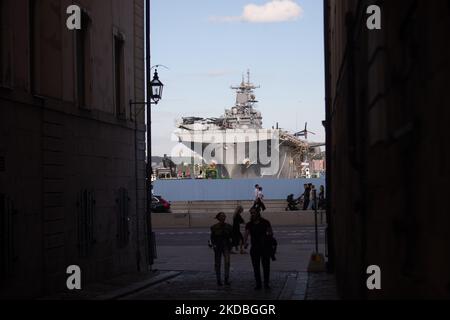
273	11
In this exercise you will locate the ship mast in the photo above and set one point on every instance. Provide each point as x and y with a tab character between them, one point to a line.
243	114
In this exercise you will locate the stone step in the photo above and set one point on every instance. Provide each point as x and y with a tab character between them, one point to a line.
213	207
225	203
206	219
221	207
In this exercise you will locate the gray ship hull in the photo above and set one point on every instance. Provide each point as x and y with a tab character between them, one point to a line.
283	164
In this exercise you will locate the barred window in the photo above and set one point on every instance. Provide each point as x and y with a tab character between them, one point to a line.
119	77
5	45
83	61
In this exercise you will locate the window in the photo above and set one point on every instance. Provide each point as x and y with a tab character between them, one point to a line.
5	45
7	243
86	206
83	58
32	31
119	76
2	163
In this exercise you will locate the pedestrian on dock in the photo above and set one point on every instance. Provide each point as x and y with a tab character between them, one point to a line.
261	199
322	203
312	198
306	197
255	198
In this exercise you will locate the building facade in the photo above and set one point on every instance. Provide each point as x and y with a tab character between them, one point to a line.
72	150
387	111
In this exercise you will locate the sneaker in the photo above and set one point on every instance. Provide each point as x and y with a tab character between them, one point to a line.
258	287
219	283
227	283
267	287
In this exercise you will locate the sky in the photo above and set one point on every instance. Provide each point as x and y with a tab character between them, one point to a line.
207	45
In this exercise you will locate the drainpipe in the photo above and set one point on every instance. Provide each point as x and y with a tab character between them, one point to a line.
136	156
149	137
329	151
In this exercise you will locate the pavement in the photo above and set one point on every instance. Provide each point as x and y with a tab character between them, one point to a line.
321	286
184	271
176	250
200	285
115	288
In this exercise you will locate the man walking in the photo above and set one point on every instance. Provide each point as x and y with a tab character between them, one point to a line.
259	201
221	240
260	232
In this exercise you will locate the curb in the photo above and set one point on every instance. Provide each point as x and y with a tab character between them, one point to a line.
120	293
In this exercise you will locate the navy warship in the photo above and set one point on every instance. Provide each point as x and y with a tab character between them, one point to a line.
238	145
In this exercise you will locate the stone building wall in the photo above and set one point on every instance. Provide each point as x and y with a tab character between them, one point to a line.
69	166
387	147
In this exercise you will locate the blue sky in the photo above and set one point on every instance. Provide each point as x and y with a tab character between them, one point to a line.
209	44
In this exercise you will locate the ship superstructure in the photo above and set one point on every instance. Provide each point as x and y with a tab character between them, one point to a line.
238	144
242	115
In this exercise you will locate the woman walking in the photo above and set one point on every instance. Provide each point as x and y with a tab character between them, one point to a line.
238	239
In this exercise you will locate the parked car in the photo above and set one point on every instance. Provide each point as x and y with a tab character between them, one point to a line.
160	205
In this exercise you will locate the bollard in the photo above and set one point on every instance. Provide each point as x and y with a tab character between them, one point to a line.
317	261
315	222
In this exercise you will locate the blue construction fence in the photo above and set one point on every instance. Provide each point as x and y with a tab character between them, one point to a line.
224	190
